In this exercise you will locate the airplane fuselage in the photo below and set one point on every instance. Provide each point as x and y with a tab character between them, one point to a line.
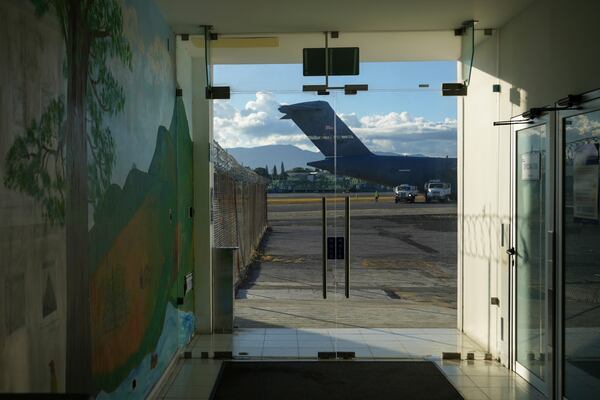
392	170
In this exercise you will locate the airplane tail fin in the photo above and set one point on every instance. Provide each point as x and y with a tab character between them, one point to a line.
318	121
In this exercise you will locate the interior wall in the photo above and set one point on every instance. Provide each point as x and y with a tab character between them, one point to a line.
139	187
191	79
32	251
538	57
141	251
481	213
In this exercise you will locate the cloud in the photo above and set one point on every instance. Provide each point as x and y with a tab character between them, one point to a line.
258	123
158	61
131	28
585	125
399	132
149	53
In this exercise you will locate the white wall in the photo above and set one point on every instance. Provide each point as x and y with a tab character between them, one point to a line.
480	203
191	78
545	53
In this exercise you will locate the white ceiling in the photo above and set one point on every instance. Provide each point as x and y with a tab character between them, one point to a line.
374	47
287	16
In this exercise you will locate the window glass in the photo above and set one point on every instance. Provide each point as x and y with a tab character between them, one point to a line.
530	262
582	256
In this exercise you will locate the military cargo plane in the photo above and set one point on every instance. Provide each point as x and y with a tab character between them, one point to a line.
345	154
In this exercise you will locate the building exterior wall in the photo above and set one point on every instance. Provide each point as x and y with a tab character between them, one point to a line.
538	57
480	199
139	178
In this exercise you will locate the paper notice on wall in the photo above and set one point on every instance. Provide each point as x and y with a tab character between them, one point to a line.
530	166
585	182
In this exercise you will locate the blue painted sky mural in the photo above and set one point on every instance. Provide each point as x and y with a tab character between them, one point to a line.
149	87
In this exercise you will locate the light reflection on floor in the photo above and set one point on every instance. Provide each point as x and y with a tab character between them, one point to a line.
475	379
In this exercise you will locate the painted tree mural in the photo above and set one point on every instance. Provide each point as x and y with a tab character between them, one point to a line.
35	162
50	160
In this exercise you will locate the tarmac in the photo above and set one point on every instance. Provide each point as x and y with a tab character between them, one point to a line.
402	266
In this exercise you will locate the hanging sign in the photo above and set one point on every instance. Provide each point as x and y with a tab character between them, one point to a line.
530	166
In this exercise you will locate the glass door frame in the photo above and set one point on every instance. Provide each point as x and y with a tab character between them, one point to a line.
547	119
332	219
590	102
555	386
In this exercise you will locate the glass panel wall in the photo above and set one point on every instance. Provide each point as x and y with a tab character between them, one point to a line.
403	252
402	187
267	202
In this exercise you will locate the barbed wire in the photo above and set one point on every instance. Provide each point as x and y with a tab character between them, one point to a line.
225	163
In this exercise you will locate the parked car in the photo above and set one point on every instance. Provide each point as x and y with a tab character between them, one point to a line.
440	191
406	193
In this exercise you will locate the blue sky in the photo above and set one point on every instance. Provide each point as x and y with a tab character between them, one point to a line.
395	115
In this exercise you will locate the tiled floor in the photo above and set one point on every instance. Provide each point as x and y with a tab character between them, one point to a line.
366	343
479	379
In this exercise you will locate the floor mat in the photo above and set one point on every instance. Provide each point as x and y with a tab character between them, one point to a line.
314	380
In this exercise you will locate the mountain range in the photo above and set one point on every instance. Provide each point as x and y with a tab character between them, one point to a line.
274	154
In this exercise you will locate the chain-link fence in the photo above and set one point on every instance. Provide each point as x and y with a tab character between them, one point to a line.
239	208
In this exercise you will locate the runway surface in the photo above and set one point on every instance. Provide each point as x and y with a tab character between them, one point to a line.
403	266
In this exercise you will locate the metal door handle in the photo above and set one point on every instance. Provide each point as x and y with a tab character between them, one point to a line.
347	248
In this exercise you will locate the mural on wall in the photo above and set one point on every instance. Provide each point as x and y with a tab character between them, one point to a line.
141	254
50	161
32	266
36	161
127	289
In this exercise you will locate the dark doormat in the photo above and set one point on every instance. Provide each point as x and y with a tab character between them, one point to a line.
314	380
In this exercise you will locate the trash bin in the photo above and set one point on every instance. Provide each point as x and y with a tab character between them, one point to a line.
223	289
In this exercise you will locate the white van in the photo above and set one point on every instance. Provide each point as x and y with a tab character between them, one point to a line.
405	192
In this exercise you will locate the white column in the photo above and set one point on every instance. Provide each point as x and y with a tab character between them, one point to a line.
203	186
191	78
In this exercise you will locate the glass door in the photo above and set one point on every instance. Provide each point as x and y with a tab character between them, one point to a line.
394	264
274	159
396	163
532	220
579	238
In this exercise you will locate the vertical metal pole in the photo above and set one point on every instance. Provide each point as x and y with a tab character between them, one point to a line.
326	60
324	223
347	249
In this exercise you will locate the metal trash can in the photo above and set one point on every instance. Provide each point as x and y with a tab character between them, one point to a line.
223	289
